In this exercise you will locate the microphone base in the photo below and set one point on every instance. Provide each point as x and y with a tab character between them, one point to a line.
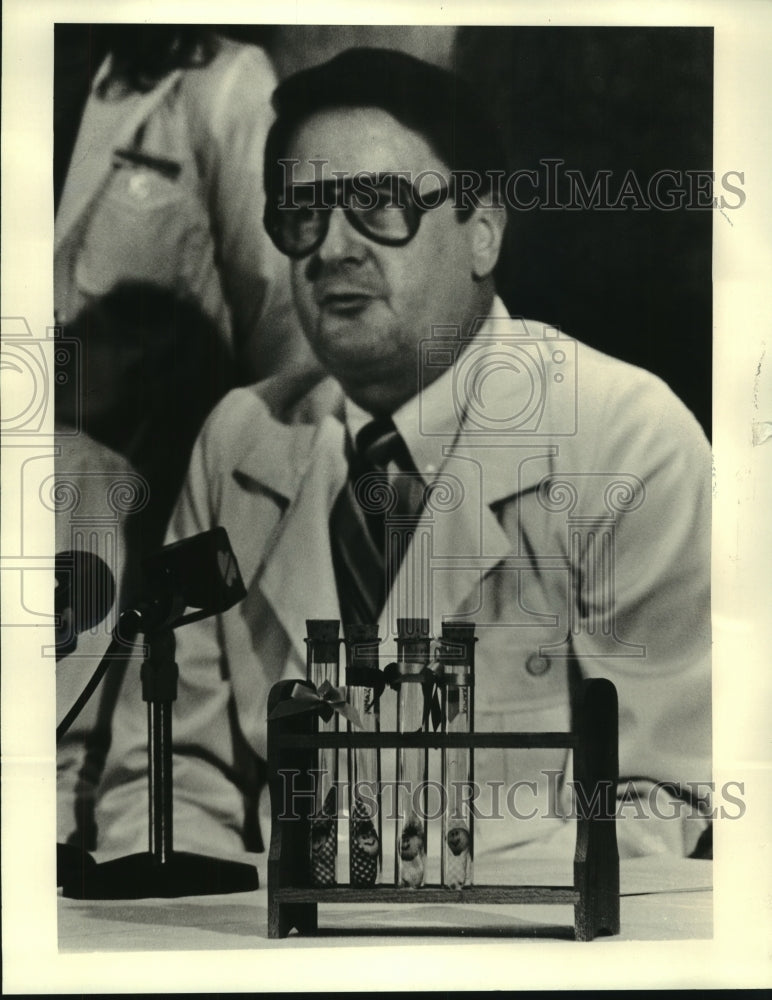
141	876
71	864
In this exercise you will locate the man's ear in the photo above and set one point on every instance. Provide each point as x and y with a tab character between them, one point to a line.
488	224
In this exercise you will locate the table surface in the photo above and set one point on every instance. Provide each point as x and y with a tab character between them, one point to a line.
662	898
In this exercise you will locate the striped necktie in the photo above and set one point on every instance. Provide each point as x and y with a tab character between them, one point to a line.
373	519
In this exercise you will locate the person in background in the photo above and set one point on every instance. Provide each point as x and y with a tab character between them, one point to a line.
158	236
163	185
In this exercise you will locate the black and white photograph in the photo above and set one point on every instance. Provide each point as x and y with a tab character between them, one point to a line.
384	541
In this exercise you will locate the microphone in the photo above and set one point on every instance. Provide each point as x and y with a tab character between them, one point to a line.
84	595
184	582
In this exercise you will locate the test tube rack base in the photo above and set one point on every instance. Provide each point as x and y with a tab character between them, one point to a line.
293	743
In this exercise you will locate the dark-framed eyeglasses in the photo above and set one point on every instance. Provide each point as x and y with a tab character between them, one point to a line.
385	208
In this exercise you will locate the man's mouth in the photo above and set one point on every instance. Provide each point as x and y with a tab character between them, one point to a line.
344	300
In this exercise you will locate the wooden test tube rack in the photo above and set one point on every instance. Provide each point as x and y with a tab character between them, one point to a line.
292	745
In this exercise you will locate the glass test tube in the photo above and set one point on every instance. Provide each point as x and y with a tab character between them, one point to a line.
456	654
413	643
364	763
322	659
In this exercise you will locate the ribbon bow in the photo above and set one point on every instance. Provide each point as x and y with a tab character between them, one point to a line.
326	700
428	681
367	677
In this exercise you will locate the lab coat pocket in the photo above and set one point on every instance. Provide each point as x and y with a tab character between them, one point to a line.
141	229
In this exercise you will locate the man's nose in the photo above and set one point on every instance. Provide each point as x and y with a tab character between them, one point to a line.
342	241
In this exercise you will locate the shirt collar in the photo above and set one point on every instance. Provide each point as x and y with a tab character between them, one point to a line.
430	421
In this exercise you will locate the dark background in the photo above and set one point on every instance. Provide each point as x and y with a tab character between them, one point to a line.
635	284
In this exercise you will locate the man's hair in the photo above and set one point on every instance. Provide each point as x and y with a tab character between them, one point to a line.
439	105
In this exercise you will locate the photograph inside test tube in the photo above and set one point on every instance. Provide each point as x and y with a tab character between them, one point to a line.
413	659
456	678
364	771
323	664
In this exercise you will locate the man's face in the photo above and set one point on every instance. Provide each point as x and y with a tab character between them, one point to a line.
366	307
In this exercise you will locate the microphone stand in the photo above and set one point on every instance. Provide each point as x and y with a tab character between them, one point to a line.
159	689
161	871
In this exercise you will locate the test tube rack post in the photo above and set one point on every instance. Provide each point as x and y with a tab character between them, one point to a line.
293	742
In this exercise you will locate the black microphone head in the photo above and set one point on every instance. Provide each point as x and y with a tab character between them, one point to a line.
85	592
201	570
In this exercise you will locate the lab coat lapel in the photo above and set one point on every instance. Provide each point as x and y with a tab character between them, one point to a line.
457	542
492	459
459	539
297	576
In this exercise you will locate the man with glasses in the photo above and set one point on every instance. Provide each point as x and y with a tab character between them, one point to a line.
456	464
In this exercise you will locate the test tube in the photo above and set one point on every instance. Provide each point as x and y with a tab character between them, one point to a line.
322	661
413	645
456	656
363	762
